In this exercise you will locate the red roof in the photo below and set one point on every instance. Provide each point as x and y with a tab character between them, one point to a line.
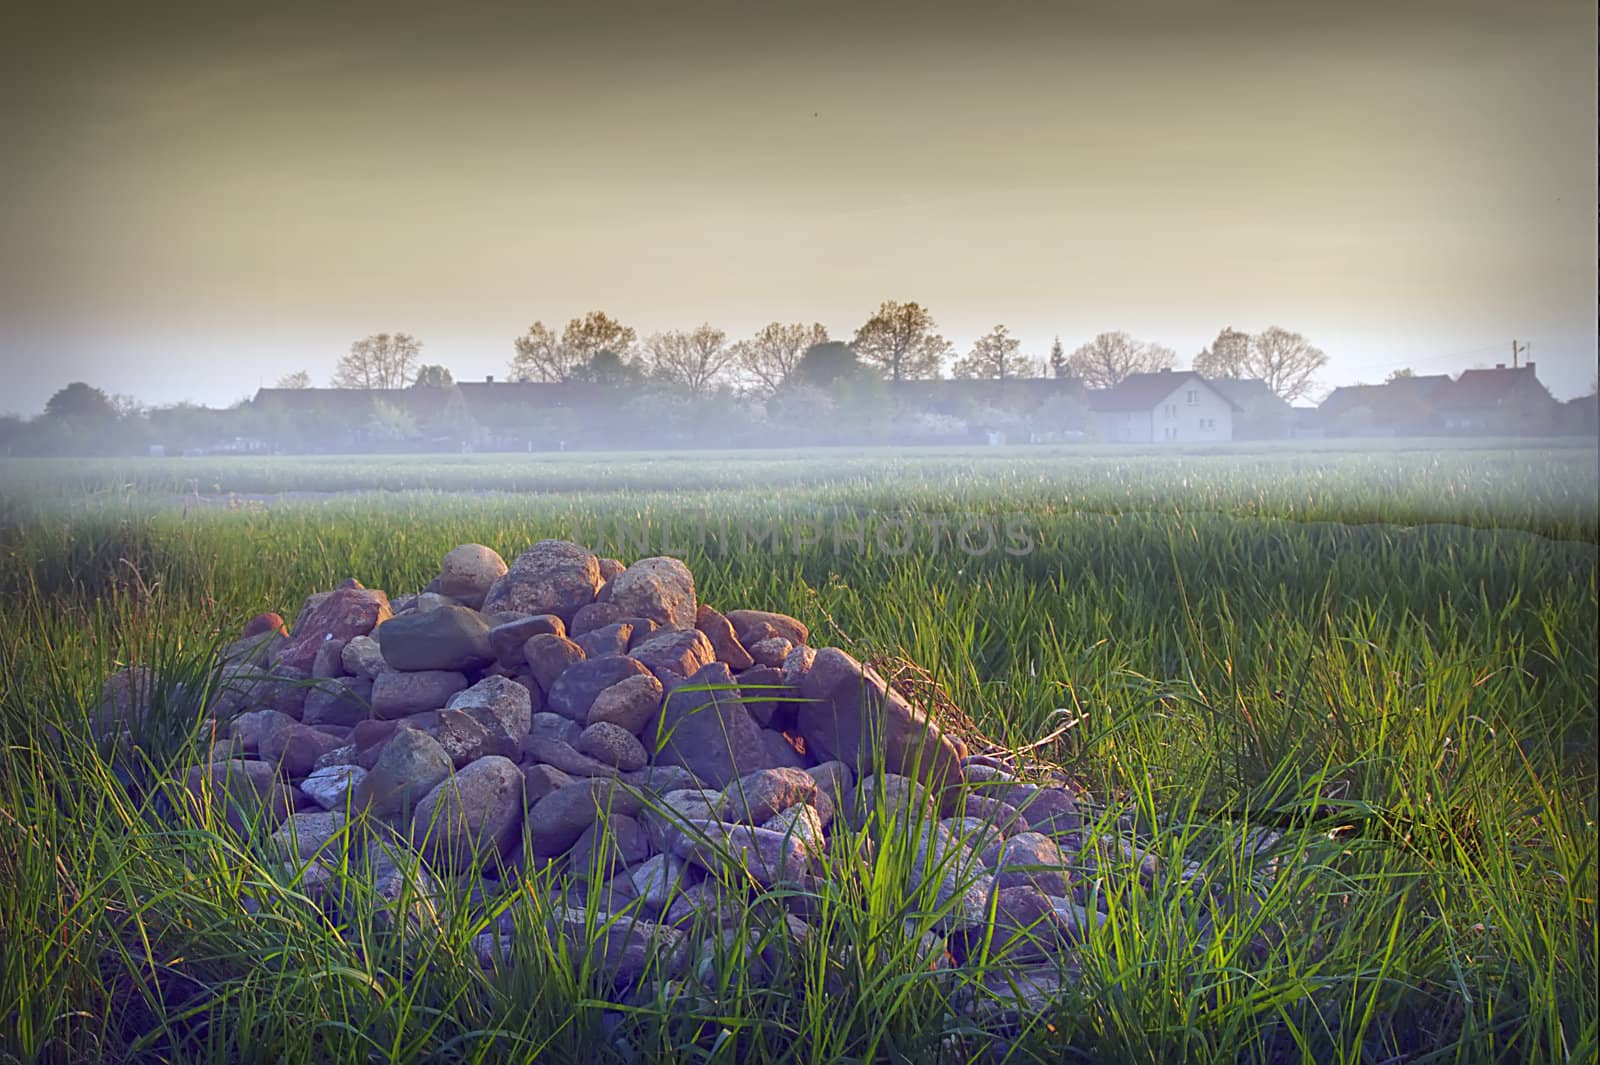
1490	388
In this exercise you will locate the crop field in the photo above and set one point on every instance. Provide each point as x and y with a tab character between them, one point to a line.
1387	657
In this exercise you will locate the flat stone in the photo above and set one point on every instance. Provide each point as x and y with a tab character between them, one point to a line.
448	638
472	817
328	787
540	780
658	880
630	703
396	694
613	745
507	638
575	691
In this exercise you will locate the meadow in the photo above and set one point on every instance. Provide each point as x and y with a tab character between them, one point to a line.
1387	655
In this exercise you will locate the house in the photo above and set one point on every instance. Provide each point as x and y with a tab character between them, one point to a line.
1164	407
1510	401
1262	413
1404	406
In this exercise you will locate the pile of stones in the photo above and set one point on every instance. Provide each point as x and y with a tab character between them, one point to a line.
594	727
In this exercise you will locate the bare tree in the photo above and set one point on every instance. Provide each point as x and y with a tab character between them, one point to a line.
429	376
773	353
383	360
694	360
298	379
899	340
996	356
1400	374
1058	359
541	356
1110	358
1228	355
1286	361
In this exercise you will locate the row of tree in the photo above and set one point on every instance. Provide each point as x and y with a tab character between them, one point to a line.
900	341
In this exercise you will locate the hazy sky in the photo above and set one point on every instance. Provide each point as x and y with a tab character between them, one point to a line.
196	202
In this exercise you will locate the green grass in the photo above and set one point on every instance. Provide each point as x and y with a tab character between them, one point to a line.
1403	639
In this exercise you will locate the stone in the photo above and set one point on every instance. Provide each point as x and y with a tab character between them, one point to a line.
575	690
329	661
339	701
294	748
329	786
253	726
961	886
719	633
508	637
781	751
802	821
1053	811
412	764
836	780
797	664
372	732
362	657
466	739
607	640
1029	859
468	572
470	818
594	616
396	694
539	780
336	615
675	653
610	567
613	745
340	756
1002	816
551	750
973	833
781	624
773	651
758	796
621	948
630	703
851	714
768	857
900	799
497	703
245	792
658	880
704	727
556	821
267	623
404	892
660	779
674	811
658	588
548	656
304	836
768	699
551	577
608	847
448	638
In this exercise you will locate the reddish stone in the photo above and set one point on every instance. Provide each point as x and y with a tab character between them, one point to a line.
340	615
264	623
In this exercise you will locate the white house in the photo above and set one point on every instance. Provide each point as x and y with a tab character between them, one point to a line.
1168	407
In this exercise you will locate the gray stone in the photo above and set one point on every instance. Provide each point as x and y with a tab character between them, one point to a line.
339	756
336	615
623	949
854	716
508	637
607	640
341	701
630	703
295	748
548	656
465	739
781	751
758	796
613	745
594	616
396	694
362	657
329	661
329	786
556	821
658	880
307	835
802	821
497	702
1030	859
469	571
660	779
836	780
540	780
471	817
673	812
449	638
608	847
575	691
705	728
659	588
961	887
767	698
548	749
245	792
411	765
253	726
796	664
724	644
551	577
773	651
675	653
768	857
782	624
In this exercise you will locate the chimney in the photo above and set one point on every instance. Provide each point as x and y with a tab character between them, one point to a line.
1499	366
489	380
1165	369
1528	365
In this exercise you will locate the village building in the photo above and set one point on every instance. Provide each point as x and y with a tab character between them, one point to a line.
1166	407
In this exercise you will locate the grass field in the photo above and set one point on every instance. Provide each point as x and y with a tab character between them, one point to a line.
1406	637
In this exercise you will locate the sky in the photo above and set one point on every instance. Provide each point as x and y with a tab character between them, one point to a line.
196	201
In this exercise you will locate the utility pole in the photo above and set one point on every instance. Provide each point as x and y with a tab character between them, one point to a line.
1516	350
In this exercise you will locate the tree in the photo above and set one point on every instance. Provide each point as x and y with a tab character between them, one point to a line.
694	360
1058	359
1400	374
298	379
1286	361
823	364
1228	355
994	356
597	331
1110	358
430	376
383	360
386	421
773	353
609	370
899	340
80	400
541	356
